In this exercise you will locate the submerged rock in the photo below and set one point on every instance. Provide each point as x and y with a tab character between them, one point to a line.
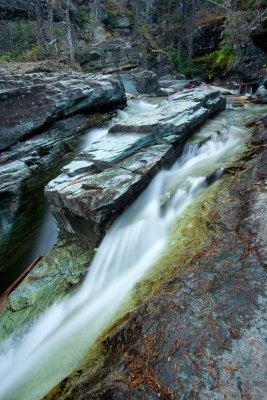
55	275
122	163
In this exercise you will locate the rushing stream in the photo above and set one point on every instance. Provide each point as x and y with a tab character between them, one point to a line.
60	338
35	231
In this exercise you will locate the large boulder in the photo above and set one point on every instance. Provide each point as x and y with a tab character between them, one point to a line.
146	82
140	81
30	103
261	93
108	175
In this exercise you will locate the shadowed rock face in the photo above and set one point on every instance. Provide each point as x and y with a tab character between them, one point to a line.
110	173
259	35
30	103
207	37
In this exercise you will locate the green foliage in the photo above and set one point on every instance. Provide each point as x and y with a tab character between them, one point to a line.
111	19
182	64
82	18
23	36
57	32
6	57
89	70
36	53
185	66
220	61
24	42
147	35
144	47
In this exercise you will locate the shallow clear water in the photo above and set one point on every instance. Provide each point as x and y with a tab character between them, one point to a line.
58	341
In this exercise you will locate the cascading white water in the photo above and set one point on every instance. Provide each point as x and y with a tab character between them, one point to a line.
60	338
134	107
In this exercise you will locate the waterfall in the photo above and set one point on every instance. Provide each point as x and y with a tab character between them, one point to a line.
58	341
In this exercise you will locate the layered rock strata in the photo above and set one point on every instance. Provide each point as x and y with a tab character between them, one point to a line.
41	115
31	103
109	174
109	56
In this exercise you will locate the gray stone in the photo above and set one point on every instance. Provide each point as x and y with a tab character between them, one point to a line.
30	103
122	162
77	167
24	160
12	174
259	33
146	82
261	95
111	56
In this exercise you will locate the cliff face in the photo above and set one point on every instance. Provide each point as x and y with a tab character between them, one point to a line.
207	36
259	35
111	36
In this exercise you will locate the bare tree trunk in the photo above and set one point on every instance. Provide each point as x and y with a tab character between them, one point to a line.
40	28
69	33
190	28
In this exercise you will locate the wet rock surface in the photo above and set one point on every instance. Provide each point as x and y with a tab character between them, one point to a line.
121	164
41	117
261	93
29	103
54	276
201	336
30	158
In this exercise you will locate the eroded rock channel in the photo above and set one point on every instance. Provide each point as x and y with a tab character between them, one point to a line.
109	174
182	317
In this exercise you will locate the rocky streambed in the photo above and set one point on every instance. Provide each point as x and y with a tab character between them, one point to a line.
42	116
198	331
171	324
109	174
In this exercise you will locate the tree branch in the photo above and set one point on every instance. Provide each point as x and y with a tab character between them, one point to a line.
219	5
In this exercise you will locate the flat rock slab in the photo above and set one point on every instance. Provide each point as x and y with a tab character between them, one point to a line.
29	103
109	174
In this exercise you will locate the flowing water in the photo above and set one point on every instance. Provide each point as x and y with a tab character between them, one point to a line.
34	231
59	339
